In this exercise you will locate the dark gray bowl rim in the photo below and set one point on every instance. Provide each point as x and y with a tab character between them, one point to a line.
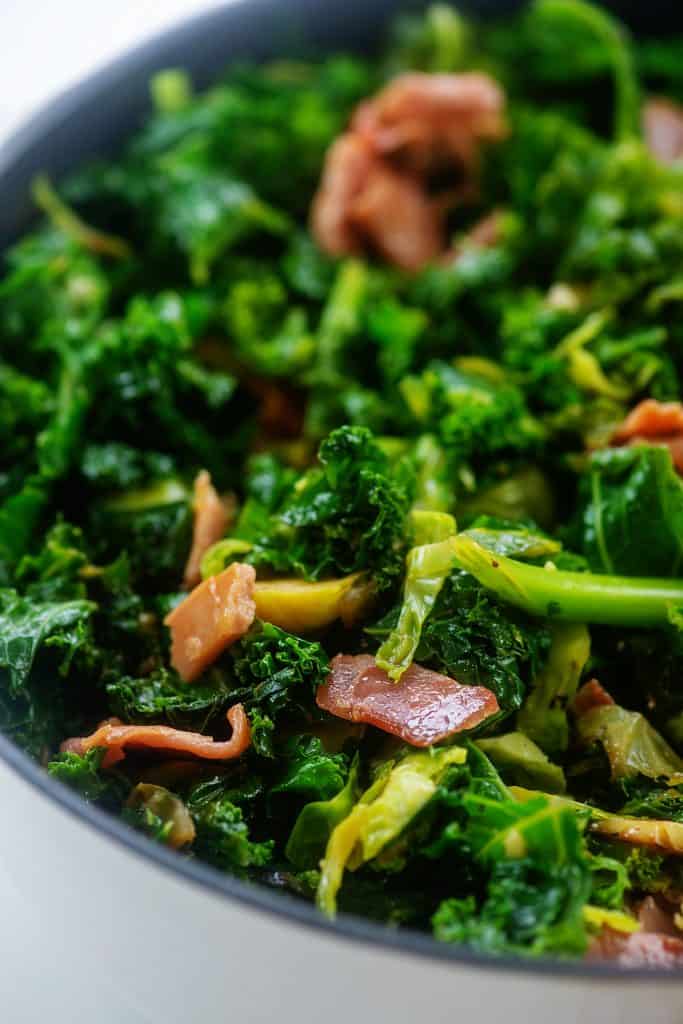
252	895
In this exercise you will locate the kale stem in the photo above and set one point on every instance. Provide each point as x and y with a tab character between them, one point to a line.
571	596
68	221
616	42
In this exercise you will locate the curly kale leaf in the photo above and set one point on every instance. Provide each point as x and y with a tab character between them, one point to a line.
346	514
277	672
162	696
531	907
152	526
472	416
83	773
646	799
476	640
55	572
222	833
115	466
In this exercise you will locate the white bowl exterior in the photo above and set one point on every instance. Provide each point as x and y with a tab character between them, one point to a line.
141	944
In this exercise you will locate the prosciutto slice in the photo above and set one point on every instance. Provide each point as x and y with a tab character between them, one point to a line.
215	614
428	120
639	949
376	190
425	707
653	422
663	129
591	695
118	738
210	523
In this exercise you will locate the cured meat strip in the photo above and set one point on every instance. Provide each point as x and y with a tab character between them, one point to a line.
591	695
663	128
428	120
639	949
118	738
653	422
215	614
376	187
423	708
210	523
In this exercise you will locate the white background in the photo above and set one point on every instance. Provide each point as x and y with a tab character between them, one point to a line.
46	45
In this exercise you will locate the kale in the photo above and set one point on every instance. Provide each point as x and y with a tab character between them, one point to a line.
480	642
83	773
624	492
115	466
645	869
162	696
646	799
473	417
318	819
222	833
346	514
153	526
538	885
531	907
173	312
26	626
310	773
276	672
56	572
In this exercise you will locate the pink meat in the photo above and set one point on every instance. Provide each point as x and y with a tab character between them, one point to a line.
425	707
376	191
655	918
639	949
431	120
653	422
210	523
663	129
212	616
591	695
398	219
348	164
118	738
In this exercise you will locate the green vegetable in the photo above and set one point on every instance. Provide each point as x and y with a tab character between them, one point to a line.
27	626
310	771
222	834
349	513
618	54
632	745
275	672
543	716
427	566
83	773
576	597
625	489
518	758
176	311
465	635
383	810
530	908
316	822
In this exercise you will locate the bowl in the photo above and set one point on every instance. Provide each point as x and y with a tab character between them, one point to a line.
134	932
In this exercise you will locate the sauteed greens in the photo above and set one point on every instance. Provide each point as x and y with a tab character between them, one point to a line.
341	516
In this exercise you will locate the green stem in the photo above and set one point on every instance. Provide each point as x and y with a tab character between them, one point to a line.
627	98
571	596
68	221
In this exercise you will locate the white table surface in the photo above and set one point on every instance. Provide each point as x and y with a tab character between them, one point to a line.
46	46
